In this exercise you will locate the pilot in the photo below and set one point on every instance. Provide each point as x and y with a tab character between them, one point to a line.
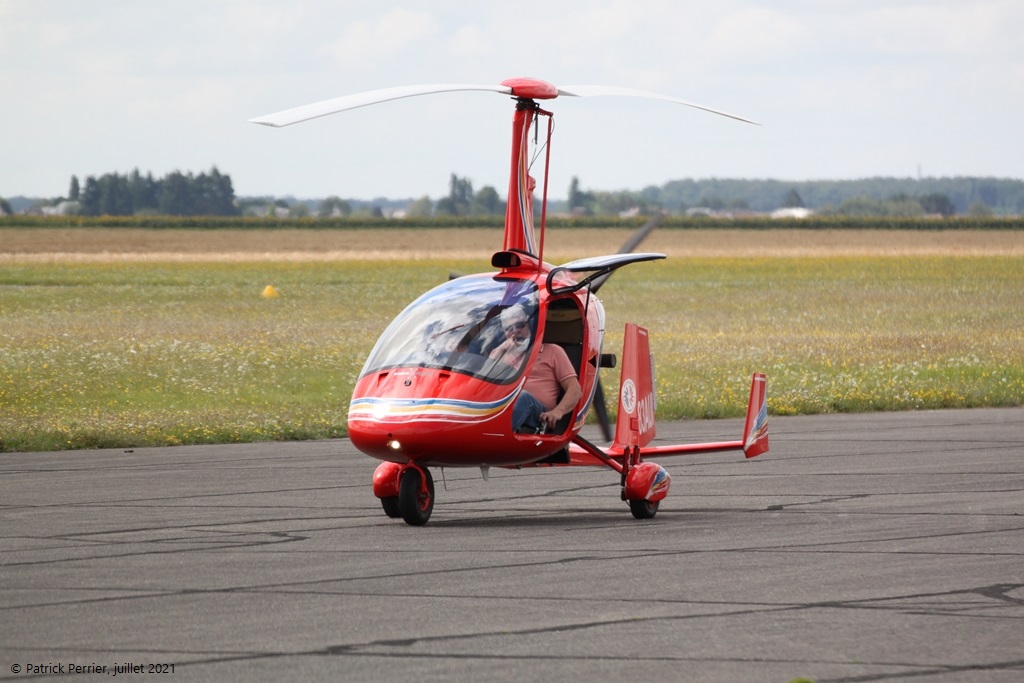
538	408
515	323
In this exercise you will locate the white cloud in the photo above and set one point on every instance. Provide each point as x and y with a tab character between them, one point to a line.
395	32
469	42
757	34
963	29
844	87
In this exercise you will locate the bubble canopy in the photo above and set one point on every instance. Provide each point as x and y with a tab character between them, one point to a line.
457	326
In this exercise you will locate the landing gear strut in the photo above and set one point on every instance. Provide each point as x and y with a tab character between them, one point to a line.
644	486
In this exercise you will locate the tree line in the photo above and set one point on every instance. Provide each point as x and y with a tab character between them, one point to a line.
960	195
212	194
176	194
871	197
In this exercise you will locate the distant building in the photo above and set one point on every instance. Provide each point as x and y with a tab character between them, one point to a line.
792	212
707	212
62	209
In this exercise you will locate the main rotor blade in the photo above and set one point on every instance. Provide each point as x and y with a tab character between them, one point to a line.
601	90
326	107
338	104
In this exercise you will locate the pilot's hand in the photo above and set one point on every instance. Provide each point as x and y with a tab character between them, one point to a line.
548	419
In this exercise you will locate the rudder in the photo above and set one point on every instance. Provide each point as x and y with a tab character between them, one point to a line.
755	430
637	401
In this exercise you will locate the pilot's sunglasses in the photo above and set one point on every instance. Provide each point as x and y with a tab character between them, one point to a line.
515	326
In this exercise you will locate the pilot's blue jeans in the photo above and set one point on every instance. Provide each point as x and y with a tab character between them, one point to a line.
526	413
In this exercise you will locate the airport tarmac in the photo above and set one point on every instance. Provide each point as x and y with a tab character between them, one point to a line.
873	547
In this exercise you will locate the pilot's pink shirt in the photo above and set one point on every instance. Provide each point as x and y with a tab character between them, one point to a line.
551	368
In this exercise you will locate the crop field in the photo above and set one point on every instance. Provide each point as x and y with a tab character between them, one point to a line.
124	337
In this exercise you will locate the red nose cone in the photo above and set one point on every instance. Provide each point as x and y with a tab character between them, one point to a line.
531	88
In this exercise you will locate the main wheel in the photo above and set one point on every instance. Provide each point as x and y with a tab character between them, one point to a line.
643	509
415	505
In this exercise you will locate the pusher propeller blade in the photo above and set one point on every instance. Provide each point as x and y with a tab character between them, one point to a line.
628	246
632	243
601	408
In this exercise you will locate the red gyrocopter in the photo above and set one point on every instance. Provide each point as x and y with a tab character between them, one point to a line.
435	392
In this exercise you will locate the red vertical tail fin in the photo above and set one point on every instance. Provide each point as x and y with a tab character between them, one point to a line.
755	431
637	399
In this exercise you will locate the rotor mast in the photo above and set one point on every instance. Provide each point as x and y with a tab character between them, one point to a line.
520	233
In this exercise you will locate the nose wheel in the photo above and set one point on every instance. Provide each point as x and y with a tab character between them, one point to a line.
415	496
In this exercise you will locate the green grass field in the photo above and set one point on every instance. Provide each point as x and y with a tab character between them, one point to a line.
131	353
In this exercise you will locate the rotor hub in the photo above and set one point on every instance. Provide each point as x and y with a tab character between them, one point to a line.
531	88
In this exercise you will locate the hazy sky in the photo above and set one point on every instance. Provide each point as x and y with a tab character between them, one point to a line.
842	88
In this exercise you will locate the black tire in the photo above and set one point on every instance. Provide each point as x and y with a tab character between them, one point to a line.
415	506
643	509
390	505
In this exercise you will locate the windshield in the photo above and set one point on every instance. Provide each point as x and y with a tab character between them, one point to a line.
459	326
